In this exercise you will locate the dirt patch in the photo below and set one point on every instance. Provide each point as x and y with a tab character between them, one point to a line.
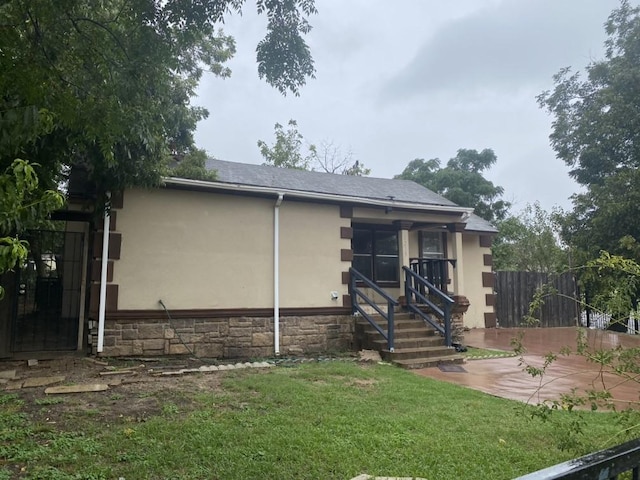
137	390
365	383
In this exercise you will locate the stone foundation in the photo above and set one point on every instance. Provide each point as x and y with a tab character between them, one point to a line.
235	337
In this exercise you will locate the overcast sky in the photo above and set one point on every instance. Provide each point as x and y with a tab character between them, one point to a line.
417	79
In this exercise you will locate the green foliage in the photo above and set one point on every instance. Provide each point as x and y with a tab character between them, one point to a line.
22	205
606	217
462	181
357	169
287	152
193	166
529	242
614	282
595	132
618	280
108	84
596	120
283	56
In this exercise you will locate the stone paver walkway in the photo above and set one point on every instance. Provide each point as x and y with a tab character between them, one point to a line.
503	377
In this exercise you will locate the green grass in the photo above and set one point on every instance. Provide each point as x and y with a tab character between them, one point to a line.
474	353
330	420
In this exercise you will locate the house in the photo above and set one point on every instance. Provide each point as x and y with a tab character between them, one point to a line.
213	268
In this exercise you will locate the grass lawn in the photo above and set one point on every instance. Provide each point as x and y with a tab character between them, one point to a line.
474	353
330	420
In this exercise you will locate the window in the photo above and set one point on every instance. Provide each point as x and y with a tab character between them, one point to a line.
375	254
432	245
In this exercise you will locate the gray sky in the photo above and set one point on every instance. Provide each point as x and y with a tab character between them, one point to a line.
417	79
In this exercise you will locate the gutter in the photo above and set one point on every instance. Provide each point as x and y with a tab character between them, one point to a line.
276	274
236	187
103	274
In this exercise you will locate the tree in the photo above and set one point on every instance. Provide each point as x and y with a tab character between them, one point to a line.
329	158
462	181
22	206
530	242
108	84
596	132
287	152
193	166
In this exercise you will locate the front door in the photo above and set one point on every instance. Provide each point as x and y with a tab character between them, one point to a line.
48	291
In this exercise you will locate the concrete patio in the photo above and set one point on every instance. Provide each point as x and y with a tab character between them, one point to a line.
504	377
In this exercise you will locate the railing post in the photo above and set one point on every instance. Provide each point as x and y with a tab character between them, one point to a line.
447	324
352	291
390	326
408	282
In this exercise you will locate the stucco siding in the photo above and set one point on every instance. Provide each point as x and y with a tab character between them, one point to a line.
200	250
473	267
194	250
310	245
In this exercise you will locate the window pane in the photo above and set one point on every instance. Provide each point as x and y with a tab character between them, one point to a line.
432	246
362	263
386	242
362	242
387	269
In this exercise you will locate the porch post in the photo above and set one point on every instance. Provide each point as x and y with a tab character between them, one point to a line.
458	272
403	248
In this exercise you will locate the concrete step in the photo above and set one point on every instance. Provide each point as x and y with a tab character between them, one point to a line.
404	343
398	315
382	306
421	332
397	323
429	362
417	352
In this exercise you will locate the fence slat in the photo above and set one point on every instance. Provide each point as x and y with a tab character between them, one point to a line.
515	290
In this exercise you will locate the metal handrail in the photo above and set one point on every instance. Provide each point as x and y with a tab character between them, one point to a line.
412	279
435	270
356	293
605	464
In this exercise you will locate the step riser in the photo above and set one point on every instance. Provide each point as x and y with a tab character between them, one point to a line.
400	355
379	343
416	344
404	334
408	343
396	322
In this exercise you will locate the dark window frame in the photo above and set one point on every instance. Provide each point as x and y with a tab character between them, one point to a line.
372	229
443	240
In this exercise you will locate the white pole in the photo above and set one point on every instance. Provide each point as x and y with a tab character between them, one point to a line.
103	274
276	274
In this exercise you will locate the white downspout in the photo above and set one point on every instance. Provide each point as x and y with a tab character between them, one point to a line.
103	274
276	274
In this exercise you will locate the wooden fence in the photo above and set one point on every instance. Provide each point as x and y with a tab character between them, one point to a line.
515	291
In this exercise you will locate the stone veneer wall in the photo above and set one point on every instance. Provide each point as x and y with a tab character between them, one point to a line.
235	337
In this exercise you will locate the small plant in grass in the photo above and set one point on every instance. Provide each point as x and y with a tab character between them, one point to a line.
169	409
10	398
48	401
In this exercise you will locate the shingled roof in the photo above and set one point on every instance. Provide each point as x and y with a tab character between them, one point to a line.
381	189
319	182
